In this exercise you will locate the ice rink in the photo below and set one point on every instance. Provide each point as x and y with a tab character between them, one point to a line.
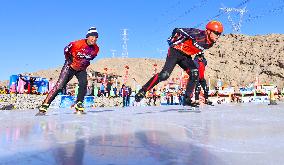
225	134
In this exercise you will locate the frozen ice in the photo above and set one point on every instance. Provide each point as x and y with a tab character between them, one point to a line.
225	134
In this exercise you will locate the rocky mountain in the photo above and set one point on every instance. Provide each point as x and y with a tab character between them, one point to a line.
239	59
235	59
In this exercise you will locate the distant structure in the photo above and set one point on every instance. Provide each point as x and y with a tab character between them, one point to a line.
161	52
124	53
236	26
113	53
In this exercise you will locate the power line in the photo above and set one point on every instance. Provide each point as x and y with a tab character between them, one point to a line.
277	9
221	13
177	4
202	3
185	13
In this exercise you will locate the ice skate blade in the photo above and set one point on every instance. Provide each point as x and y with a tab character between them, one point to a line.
189	109
40	114
80	113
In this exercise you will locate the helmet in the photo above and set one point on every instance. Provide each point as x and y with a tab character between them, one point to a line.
215	26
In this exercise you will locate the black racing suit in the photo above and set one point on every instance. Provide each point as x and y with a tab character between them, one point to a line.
66	74
184	42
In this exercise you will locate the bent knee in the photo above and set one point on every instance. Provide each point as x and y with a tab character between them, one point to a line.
164	75
194	75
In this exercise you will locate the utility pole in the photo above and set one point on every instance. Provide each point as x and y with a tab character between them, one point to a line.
124	53
113	53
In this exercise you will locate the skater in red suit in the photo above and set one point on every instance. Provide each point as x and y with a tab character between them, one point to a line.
184	43
78	55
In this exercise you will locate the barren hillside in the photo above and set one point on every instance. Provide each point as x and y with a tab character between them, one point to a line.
240	58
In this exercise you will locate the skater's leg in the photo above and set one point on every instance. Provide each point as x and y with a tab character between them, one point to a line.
171	61
206	91
65	76
191	69
192	82
197	92
204	87
83	82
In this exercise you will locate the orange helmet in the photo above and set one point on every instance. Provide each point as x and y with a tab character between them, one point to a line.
215	26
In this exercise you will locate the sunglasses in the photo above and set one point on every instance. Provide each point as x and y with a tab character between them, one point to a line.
216	33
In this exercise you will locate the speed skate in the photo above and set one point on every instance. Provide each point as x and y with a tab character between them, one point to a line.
189	109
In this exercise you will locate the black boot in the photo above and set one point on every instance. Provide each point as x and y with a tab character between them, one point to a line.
140	95
42	110
188	102
208	102
197	103
79	106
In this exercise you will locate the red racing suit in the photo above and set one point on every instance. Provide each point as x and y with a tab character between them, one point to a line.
190	41
201	64
78	54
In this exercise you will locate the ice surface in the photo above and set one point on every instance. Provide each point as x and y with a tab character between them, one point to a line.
226	134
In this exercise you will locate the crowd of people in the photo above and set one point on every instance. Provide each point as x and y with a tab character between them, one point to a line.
27	84
24	85
167	95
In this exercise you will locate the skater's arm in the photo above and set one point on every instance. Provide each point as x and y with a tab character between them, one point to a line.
185	32
179	35
96	52
68	54
204	60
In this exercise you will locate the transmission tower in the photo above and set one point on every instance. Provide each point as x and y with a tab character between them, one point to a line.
124	45
236	26
113	53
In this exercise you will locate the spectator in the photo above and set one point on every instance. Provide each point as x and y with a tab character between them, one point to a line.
154	96
112	91
21	84
115	91
96	91
129	91
2	91
92	89
51	84
31	85
102	89
124	94
13	88
108	88
76	89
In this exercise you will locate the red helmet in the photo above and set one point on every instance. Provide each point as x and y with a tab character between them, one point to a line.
215	26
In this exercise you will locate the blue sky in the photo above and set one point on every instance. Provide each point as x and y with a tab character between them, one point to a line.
33	33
